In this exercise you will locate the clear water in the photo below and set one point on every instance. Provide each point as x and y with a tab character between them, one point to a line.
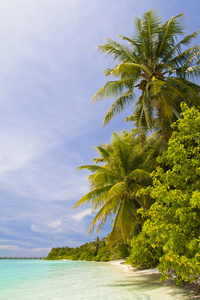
76	280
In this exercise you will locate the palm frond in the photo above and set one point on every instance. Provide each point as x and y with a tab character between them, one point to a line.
96	194
151	22
135	45
176	50
101	216
122	152
129	69
119	105
140	123
99	171
139	175
189	91
116	225
104	178
143	115
193	57
185	59
167	33
103	152
112	89
192	73
186	41
127	213
117	190
165	102
147	107
155	86
117	50
92	168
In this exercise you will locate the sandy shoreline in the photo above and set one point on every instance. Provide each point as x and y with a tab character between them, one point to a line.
135	271
146	283
166	290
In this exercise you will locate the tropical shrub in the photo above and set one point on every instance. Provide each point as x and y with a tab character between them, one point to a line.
174	219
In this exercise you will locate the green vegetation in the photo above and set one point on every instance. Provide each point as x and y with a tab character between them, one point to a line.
154	63
171	235
125	169
148	181
92	251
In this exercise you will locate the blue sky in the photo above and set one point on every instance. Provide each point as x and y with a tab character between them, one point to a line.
49	70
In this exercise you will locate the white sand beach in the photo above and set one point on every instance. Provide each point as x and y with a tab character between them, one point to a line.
148	279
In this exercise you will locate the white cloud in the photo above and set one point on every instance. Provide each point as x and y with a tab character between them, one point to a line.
47	181
20	244
35	228
65	224
55	224
41	250
79	216
9	247
14	250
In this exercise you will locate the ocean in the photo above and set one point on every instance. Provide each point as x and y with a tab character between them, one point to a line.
24	279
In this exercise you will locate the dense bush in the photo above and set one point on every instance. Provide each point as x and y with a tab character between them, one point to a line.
171	233
143	254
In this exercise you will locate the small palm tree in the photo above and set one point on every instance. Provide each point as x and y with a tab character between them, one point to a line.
115	182
155	64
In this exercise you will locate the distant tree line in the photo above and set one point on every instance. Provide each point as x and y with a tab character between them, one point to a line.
92	251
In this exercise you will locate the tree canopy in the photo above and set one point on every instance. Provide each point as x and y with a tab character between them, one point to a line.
125	169
172	232
160	66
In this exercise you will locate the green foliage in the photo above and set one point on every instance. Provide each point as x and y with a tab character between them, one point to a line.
125	169
154	63
103	254
172	230
96	250
120	250
143	255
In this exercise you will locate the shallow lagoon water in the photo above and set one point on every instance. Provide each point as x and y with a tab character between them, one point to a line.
79	280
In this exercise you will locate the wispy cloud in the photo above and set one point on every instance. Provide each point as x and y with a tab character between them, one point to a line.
10	247
79	216
15	250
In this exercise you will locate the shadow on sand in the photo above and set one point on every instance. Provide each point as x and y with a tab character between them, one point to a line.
142	285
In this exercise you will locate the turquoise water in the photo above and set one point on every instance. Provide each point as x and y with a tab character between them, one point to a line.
76	280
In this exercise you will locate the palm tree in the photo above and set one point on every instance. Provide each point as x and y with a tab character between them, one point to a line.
155	64
115	182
